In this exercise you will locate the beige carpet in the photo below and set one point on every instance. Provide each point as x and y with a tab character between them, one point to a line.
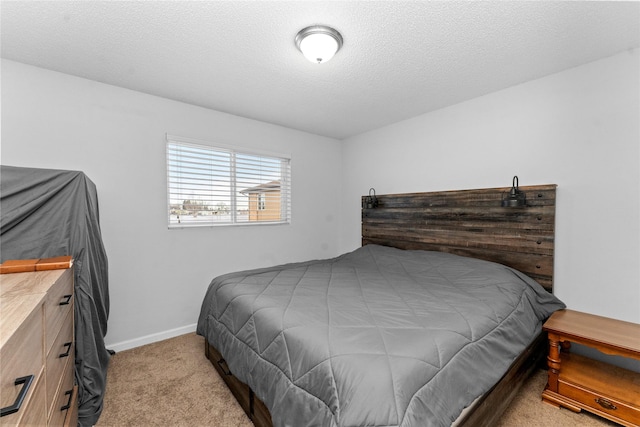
171	383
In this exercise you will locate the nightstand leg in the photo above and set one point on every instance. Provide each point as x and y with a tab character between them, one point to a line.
553	361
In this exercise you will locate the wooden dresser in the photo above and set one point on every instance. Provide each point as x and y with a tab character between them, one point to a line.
578	382
37	381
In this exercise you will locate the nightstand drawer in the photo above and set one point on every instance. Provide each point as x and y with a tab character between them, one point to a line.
606	404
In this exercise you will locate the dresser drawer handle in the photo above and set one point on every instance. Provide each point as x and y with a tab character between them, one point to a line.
68	405
606	404
66	354
67	299
18	403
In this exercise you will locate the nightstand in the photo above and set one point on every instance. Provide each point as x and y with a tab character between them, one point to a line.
577	382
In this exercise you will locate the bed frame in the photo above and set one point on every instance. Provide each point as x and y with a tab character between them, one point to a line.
469	223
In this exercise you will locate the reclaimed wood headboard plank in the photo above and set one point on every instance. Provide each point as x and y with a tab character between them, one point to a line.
470	223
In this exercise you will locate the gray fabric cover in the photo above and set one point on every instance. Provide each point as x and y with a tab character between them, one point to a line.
49	213
376	337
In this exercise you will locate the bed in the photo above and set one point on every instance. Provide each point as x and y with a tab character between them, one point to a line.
418	327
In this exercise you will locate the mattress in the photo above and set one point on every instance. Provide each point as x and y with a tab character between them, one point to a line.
376	337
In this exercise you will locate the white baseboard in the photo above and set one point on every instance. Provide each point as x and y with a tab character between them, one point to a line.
148	339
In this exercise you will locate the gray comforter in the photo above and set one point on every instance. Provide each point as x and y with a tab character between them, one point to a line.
376	337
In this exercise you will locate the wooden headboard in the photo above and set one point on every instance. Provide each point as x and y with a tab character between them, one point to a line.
470	223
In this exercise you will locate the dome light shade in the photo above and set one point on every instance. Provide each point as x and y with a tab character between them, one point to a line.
318	43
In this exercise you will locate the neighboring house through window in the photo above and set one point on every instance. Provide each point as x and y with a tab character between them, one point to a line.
264	202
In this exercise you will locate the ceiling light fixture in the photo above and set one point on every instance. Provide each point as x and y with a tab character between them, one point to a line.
318	43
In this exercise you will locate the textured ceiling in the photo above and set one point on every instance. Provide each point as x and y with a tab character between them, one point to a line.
399	59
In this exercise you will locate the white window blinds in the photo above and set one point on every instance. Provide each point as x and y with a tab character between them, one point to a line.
223	186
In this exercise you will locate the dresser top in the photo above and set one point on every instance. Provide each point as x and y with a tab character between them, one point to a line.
33	282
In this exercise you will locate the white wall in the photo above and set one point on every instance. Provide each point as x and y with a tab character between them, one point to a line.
158	277
579	129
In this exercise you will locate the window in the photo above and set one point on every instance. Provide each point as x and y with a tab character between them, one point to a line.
220	185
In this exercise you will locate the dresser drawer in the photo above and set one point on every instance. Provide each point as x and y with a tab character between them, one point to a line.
65	400
71	419
611	406
60	353
21	355
34	412
57	306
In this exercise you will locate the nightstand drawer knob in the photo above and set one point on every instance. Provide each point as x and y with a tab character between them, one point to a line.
606	404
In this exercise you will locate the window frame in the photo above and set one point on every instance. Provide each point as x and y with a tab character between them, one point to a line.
232	150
